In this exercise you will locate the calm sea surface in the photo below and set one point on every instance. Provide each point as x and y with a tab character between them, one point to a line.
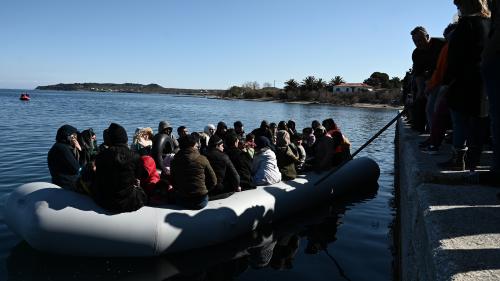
345	240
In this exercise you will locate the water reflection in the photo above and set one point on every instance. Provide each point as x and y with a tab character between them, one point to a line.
271	247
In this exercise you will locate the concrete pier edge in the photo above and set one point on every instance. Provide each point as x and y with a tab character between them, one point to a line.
448	229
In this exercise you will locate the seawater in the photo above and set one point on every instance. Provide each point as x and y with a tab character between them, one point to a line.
349	239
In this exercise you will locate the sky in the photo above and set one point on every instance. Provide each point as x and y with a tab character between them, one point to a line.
209	44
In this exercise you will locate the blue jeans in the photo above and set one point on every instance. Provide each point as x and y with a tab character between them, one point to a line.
192	203
491	73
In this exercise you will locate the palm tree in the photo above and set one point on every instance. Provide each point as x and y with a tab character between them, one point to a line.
320	84
291	85
337	80
309	83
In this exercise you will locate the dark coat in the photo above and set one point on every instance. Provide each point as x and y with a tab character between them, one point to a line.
62	159
463	75
192	175
424	61
243	164
116	187
227	176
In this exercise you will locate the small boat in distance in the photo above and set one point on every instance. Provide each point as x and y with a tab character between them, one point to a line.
25	97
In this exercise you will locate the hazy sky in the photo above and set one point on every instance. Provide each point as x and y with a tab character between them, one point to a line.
209	43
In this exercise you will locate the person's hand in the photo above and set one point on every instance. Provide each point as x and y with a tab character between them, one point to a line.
75	144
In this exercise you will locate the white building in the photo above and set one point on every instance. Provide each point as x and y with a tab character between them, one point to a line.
352	88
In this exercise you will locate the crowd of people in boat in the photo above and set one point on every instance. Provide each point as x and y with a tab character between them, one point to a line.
191	168
453	88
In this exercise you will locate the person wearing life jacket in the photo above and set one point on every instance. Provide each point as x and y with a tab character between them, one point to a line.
342	146
332	148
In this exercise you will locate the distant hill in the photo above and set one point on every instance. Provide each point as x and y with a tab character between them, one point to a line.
123	88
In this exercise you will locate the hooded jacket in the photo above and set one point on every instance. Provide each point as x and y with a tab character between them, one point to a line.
62	159
265	167
116	187
286	158
192	174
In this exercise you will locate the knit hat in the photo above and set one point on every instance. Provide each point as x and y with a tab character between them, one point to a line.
117	134
214	141
262	142
163	126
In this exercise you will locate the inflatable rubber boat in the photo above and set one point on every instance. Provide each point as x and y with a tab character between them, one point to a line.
56	220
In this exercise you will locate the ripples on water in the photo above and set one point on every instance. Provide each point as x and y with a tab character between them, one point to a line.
360	245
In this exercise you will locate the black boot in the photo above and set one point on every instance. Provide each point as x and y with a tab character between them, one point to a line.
456	162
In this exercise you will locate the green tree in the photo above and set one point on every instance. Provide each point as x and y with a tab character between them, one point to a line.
378	80
337	80
309	83
291	85
395	83
320	84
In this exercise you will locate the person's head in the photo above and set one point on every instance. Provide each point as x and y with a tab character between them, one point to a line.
182	131
262	142
117	134
420	37
264	124
282	126
449	30
66	134
209	130
273	127
189	141
282	138
307	131
291	124
473	7
238	127
164	128
297	138
86	136
221	128
250	138
216	142
232	140
329	125
315	124
319	132
147	133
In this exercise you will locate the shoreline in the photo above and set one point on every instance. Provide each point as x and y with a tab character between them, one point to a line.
356	105
302	102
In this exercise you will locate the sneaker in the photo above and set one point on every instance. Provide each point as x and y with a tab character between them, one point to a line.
430	149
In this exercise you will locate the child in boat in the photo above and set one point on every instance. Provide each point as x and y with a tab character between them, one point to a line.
142	141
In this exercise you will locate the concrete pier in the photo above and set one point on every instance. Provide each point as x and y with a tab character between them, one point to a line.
449	227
